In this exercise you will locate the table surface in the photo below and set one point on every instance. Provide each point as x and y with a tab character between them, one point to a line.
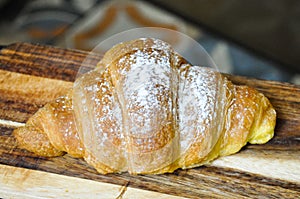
271	170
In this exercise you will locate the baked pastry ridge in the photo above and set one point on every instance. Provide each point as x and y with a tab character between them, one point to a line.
144	109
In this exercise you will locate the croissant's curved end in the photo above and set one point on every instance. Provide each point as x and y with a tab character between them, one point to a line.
51	131
250	118
34	140
263	129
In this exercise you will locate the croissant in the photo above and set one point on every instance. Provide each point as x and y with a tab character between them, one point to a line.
145	110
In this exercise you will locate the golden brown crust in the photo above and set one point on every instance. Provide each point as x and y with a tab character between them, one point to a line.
33	138
145	110
60	126
51	131
99	123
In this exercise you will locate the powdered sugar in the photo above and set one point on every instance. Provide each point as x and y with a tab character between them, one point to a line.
151	107
197	107
145	93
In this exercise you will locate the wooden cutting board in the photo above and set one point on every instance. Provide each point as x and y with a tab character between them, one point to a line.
271	170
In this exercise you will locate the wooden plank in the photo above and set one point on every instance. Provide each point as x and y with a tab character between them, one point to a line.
44	61
270	170
20	183
22	95
284	165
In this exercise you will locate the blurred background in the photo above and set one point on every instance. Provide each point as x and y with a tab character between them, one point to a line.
254	38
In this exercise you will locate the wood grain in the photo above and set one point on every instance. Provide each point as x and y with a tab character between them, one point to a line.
269	171
33	184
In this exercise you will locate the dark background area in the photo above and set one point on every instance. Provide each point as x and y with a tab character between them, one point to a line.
261	37
269	28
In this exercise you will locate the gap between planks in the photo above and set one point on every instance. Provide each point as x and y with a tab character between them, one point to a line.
11	124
